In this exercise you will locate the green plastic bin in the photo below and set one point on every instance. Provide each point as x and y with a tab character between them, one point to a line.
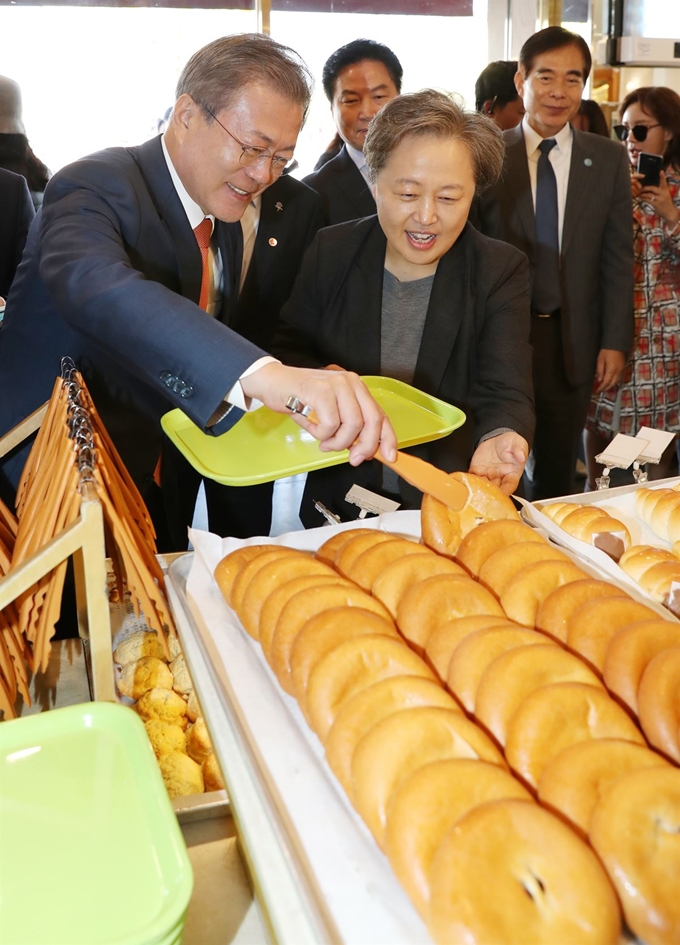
90	850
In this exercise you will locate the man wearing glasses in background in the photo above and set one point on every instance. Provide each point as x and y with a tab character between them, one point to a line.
114	276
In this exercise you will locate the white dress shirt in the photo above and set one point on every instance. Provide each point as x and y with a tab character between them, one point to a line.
360	161
195	215
559	157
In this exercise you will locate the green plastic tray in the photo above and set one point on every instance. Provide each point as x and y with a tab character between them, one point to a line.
265	445
91	852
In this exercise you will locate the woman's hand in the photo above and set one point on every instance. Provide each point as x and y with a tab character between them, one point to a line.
659	197
501	460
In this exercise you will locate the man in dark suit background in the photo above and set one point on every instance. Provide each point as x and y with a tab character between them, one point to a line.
15	219
114	274
358	80
582	271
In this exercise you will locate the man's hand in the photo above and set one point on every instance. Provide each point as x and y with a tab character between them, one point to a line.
610	365
345	415
501	460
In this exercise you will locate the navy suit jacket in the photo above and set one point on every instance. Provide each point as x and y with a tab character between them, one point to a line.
290	215
111	277
344	193
597	242
15	219
474	351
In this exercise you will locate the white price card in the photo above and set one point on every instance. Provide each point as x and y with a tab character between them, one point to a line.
622	451
657	442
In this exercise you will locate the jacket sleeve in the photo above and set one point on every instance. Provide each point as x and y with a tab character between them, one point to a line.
616	265
93	262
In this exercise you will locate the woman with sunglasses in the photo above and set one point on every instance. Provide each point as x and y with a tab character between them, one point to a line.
649	393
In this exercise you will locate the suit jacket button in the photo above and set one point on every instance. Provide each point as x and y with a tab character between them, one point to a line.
187	391
164	375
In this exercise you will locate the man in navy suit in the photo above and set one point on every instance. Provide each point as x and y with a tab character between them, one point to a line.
358	80
15	219
113	274
581	280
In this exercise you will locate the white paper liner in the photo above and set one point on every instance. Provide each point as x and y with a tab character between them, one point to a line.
364	899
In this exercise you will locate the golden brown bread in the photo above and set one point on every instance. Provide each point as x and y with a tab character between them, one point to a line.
398	576
629	652
442	642
486	539
658	699
555	612
502	566
525	593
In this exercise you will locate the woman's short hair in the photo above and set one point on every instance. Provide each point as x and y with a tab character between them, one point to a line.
216	74
433	114
663	104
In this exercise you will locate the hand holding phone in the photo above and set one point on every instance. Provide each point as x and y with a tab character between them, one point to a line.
650	166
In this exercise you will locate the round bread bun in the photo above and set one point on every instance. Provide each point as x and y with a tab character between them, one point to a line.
502	566
629	652
351	667
524	594
581	517
323	632
138	644
557	511
573	783
404	742
424	807
162	704
554	717
370	563
165	737
589	531
250	569
661	512
350	550
593	624
301	608
673	529
277	600
212	776
477	651
181	774
396	578
268	578
658	579
646	499
512	676
443	642
486	539
635	830
640	558
370	706
147	673
555	612
676	548
512	873
443	528
436	600
199	745
328	550
659	702
231	564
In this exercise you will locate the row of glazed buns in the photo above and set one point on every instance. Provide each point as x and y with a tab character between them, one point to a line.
660	509
427	772
167	704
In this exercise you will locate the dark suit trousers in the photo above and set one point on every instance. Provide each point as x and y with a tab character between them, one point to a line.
238	512
560	415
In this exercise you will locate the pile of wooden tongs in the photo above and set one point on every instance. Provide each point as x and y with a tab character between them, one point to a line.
73	449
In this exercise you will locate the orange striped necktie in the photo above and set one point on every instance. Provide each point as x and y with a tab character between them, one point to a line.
203	232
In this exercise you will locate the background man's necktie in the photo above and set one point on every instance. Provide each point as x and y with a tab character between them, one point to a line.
546	296
203	232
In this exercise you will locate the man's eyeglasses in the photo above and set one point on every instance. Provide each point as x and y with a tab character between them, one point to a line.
639	132
252	155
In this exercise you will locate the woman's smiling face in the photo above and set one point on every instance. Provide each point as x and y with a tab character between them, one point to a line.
423	195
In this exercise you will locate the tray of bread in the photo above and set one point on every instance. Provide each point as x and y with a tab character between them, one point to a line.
264	445
633	532
426	710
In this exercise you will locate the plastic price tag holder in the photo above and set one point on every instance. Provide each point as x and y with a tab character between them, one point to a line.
621	453
657	441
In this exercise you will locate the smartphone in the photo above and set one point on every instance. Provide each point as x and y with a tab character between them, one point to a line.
651	166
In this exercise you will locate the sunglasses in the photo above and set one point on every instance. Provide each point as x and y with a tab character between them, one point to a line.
639	132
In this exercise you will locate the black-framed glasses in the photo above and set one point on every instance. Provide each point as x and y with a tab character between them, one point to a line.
639	132
250	154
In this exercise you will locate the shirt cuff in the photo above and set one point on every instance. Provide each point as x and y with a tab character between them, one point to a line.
235	396
497	432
